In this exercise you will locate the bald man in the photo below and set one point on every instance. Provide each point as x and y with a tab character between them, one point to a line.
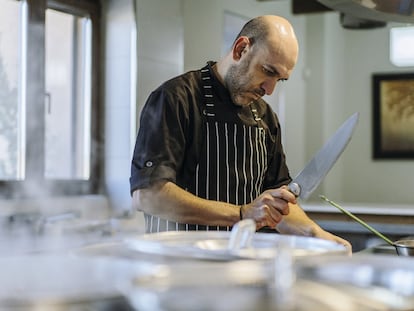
208	152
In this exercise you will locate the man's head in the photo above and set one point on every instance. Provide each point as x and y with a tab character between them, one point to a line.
264	52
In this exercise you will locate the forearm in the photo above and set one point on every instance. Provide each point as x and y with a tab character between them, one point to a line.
167	200
297	223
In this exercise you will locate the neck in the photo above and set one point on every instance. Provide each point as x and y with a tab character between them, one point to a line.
219	72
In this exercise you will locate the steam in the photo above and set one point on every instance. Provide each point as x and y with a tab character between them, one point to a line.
59	224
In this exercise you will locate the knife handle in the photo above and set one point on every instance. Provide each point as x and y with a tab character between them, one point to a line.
294	188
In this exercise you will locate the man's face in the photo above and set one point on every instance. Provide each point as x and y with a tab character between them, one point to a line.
256	74
239	81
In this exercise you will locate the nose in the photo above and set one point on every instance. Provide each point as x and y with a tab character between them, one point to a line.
269	86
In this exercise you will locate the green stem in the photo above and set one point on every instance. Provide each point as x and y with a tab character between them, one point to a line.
363	223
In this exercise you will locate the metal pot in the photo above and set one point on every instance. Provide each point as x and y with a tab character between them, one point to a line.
284	282
230	286
404	247
379	282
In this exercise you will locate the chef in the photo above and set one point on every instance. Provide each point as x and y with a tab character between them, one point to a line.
208	152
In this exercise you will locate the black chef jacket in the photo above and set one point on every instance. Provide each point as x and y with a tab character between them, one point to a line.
225	152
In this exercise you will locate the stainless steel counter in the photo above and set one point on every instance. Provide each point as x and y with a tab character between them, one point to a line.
362	208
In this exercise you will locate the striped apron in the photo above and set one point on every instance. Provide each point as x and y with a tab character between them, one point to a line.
231	166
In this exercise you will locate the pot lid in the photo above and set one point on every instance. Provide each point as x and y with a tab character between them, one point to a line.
214	245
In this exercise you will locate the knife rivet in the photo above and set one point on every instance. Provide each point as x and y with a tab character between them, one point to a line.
294	188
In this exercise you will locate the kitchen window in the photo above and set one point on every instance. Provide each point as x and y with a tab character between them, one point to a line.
11	131
401	46
50	121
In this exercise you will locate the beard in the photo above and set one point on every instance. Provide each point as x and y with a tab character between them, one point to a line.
237	80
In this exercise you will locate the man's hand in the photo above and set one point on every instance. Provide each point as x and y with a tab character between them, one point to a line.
322	234
269	208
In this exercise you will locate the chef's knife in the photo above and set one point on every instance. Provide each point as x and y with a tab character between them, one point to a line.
313	173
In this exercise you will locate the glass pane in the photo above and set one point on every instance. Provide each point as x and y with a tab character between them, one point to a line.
67	98
11	130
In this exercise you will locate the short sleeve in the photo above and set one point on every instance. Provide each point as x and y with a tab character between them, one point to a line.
160	143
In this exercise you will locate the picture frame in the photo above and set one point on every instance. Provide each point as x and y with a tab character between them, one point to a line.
393	115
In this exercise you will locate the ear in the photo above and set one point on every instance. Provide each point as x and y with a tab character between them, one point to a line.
240	47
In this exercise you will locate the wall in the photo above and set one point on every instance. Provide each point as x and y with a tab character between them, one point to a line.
132	71
350	57
160	44
382	180
324	92
119	102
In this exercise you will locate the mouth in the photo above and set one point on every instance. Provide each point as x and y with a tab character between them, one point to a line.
259	93
248	97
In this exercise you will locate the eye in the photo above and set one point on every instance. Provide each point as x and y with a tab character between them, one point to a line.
268	71
272	72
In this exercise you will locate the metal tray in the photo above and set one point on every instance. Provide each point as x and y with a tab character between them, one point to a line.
213	245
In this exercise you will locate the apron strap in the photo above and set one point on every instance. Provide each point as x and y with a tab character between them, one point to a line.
208	98
256	116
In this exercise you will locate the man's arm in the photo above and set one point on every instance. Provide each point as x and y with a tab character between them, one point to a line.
168	201
298	223
275	208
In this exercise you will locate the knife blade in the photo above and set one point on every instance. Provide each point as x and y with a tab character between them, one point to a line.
313	173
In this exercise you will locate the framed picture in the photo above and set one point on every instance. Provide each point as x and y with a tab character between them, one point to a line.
393	115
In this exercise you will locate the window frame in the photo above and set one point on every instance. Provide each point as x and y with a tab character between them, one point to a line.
35	184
